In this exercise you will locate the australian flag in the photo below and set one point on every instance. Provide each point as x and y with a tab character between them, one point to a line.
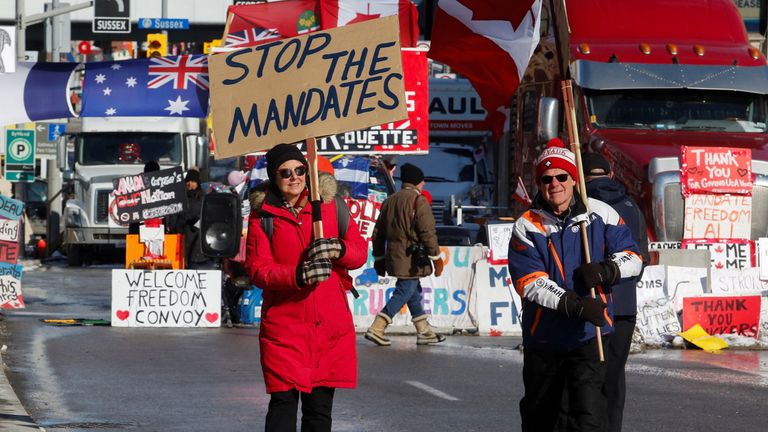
174	86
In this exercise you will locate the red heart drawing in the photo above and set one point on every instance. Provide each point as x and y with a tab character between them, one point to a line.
692	170
122	314
211	317
741	171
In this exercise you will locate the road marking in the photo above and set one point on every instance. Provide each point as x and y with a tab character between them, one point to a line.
431	390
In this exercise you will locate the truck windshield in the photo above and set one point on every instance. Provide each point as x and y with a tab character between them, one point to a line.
443	165
691	110
107	148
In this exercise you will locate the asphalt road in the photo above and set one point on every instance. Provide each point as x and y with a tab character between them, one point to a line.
84	378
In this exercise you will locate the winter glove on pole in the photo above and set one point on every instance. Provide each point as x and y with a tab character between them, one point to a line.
312	272
585	308
603	273
325	248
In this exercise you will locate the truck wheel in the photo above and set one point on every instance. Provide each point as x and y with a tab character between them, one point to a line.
75	255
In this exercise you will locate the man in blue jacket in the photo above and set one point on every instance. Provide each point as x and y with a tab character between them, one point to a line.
547	265
601	185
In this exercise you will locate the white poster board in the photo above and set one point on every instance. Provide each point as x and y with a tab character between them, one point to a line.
499	308
651	285
498	240
685	282
166	298
717	217
657	319
736	282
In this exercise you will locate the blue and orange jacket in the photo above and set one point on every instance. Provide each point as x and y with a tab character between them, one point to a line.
544	251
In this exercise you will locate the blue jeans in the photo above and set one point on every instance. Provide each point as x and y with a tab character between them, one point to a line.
407	291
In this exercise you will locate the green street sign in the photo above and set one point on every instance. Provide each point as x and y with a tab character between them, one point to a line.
20	155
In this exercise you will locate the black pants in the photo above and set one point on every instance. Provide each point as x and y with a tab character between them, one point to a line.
315	411
616	353
547	375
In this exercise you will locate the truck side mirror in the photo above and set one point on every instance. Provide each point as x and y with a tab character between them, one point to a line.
203	152
62	159
548	119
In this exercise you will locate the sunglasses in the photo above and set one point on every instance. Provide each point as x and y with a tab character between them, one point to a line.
561	178
287	172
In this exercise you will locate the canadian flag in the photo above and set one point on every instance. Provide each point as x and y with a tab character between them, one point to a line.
490	42
521	194
254	24
336	13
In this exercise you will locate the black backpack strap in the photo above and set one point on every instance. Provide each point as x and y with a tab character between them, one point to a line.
267	224
342	215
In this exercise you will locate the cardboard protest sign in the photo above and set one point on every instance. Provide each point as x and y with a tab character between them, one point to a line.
726	253
365	213
9	230
734	281
498	240
723	315
148	196
717	217
9	252
651	284
716	170
317	84
406	136
10	286
657	319
10	208
685	282
166	298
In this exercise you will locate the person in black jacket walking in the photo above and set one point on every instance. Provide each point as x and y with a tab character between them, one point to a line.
602	186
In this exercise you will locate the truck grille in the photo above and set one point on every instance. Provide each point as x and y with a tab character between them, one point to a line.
102	205
438	211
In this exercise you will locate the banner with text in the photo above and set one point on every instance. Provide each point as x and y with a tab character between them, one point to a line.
499	308
723	315
10	286
152	195
166	298
726	253
406	136
322	83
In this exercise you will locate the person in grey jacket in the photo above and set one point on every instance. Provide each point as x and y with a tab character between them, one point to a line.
405	246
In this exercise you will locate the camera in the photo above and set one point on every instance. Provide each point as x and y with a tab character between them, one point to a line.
418	254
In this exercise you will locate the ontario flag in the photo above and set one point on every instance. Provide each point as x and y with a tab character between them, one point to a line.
490	42
337	13
255	24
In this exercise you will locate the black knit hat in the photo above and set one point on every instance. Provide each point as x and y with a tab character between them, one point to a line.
595	164
278	155
411	174
151	166
192	175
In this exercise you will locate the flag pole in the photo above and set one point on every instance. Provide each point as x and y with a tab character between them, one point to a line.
573	136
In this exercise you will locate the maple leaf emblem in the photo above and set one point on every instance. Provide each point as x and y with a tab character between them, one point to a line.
495	332
719	265
719	249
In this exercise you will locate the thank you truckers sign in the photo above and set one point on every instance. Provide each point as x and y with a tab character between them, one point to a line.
318	84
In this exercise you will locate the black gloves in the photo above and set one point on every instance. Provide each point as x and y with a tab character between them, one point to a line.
604	273
326	248
585	308
380	265
312	272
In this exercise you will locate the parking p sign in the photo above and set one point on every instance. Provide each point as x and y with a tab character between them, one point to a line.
20	155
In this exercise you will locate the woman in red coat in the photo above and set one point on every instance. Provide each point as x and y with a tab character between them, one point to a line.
307	336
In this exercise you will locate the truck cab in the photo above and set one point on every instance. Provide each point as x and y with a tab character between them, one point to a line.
648	78
105	149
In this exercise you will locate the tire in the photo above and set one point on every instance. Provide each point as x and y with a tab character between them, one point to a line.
75	255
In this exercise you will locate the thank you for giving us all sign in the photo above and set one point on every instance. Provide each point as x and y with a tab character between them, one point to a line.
318	84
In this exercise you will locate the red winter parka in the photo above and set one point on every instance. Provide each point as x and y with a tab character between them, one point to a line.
307	336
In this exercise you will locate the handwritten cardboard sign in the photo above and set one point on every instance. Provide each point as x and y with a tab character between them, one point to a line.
723	315
651	284
407	136
9	230
148	196
166	298
716	170
9	252
726	253
365	213
321	83
498	241
657	319
10	286
10	208
717	217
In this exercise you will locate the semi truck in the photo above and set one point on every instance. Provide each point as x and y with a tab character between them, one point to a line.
648	77
97	150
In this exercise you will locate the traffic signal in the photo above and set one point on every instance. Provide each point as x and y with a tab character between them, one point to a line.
157	45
